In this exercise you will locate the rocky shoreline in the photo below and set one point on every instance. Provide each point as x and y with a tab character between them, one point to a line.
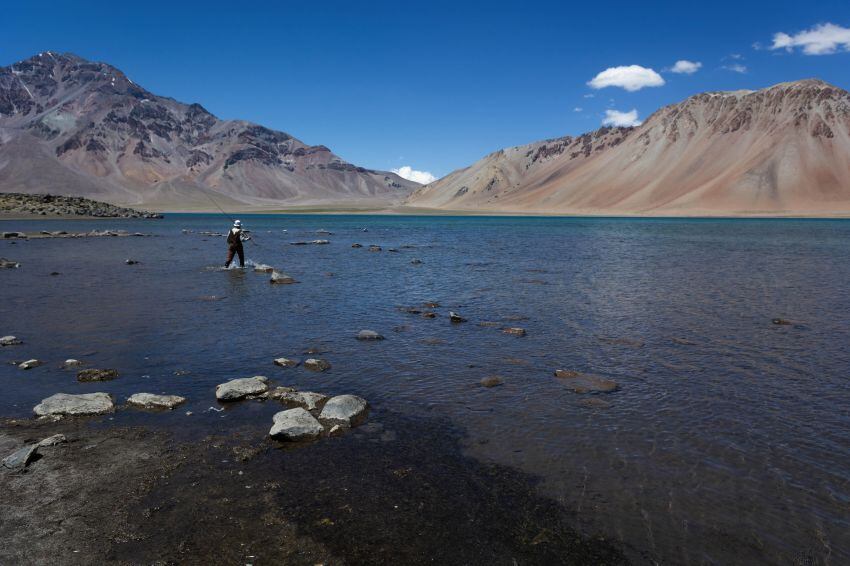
57	205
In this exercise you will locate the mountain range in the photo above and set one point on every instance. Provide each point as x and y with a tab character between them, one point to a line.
70	126
783	150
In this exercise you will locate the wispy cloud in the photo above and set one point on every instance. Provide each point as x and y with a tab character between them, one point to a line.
578	109
589	95
629	77
685	67
736	68
411	174
823	39
617	118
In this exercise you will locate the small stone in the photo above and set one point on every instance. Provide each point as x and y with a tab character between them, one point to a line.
52	440
492	381
336	430
286	362
374	248
236	389
429	314
344	408
97	374
153	401
9	341
515	331
320	242
263	268
131	261
8	263
454	317
782	322
295	424
71	363
431	305
29	364
356	245
369	335
280	278
416	261
67	404
317	364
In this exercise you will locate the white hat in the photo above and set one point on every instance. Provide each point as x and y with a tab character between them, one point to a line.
237	223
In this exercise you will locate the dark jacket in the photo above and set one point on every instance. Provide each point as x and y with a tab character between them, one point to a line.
234	238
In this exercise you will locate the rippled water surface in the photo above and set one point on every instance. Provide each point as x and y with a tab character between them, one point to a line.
728	441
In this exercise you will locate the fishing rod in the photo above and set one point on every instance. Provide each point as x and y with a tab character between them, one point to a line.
232	220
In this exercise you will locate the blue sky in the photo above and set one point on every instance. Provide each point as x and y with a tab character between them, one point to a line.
437	85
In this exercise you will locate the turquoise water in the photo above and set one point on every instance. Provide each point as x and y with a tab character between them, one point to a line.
728	441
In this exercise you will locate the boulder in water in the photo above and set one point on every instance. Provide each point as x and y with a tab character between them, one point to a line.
29	364
374	248
369	335
317	364
280	278
307	399
584	383
131	261
67	404
286	362
454	317
97	374
10	341
263	268
241	388
8	263
356	245
347	409
515	331
416	261
153	401
492	381
71	363
295	424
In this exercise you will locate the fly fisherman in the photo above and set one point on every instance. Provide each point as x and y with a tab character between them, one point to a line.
234	244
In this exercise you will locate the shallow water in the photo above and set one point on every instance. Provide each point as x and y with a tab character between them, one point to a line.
731	448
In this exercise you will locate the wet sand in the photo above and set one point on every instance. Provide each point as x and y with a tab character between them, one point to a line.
135	495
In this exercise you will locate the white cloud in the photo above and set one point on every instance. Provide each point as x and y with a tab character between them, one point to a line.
589	95
736	68
823	39
578	109
685	67
411	174
617	118
631	78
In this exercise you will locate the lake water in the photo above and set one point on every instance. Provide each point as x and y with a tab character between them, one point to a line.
728	441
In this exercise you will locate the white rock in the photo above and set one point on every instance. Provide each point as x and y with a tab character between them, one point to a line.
29	364
317	364
153	401
295	424
240	388
280	278
83	404
344	408
9	341
369	335
71	363
286	362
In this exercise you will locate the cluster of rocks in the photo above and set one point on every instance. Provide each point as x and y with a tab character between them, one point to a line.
63	234
311	242
21	457
55	205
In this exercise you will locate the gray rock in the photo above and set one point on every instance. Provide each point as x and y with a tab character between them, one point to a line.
97	374
416	261
263	268
240	388
9	341
369	335
153	401
295	424
515	331
83	404
356	245
320	242
280	278
306	399
29	364
585	383
52	440
374	248
491	381
286	362
20	457
131	261
347	409
278	392
317	364
71	363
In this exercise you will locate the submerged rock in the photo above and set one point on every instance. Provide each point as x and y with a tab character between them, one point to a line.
82	404
263	268
29	364
307	399
153	401
515	331
8	263
131	261
369	335
97	374
317	364
416	261
348	409
295	424
585	383
236	389
431	305
454	317
10	341
492	381
286	362
429	314
356	245
71	363
684	342
374	248
280	278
